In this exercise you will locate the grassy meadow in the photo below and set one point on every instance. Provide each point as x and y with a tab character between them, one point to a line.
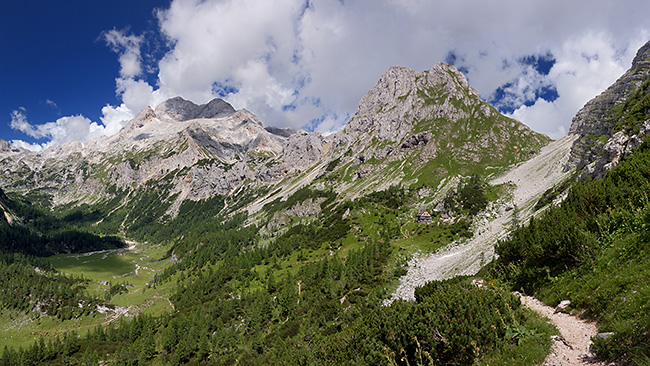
134	266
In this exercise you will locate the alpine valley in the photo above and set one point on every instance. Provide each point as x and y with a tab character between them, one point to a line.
196	235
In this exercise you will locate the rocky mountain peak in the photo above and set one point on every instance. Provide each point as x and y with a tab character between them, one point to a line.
4	145
402	96
421	120
432	115
404	101
642	56
597	123
145	115
178	109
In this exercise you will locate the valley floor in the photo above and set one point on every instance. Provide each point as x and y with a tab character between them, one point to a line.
134	267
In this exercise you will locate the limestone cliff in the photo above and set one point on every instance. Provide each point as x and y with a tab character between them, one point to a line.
434	122
604	125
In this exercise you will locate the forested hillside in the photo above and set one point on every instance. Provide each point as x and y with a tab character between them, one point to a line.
313	295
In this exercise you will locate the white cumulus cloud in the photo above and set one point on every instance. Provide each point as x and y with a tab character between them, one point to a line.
585	67
300	63
128	47
64	129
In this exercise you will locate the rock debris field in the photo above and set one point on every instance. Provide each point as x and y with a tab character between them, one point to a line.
531	180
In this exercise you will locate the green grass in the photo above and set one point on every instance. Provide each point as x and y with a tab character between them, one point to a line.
530	348
594	250
427	238
19	329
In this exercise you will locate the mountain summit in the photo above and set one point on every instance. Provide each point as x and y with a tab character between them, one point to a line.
179	109
434	122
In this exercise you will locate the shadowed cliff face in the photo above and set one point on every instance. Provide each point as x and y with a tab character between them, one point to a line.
606	115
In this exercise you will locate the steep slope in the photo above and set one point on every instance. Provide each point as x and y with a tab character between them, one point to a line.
417	128
5	205
284	244
196	151
530	180
612	124
412	129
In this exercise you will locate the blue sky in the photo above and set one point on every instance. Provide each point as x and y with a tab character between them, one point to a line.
75	70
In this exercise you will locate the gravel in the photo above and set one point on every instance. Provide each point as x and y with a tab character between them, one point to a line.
531	179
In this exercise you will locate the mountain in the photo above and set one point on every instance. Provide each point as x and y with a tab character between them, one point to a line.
412	129
259	245
417	128
272	246
611	125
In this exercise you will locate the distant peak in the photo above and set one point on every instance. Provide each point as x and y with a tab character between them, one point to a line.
140	120
216	108
4	145
179	109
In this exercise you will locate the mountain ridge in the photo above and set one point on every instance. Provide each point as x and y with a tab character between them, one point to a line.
412	128
302	237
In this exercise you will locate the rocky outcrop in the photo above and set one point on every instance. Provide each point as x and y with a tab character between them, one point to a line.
4	146
179	109
302	150
617	148
595	123
415	117
402	97
197	150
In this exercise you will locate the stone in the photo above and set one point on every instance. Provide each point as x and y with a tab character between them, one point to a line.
605	335
4	146
562	306
593	122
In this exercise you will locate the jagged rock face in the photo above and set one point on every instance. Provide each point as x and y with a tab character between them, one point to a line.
595	122
4	146
179	109
617	148
435	114
390	109
200	151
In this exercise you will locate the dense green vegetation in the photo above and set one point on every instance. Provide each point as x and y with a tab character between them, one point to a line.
453	322
311	294
30	284
594	250
42	234
470	196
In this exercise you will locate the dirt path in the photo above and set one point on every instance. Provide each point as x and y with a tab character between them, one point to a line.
572	347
